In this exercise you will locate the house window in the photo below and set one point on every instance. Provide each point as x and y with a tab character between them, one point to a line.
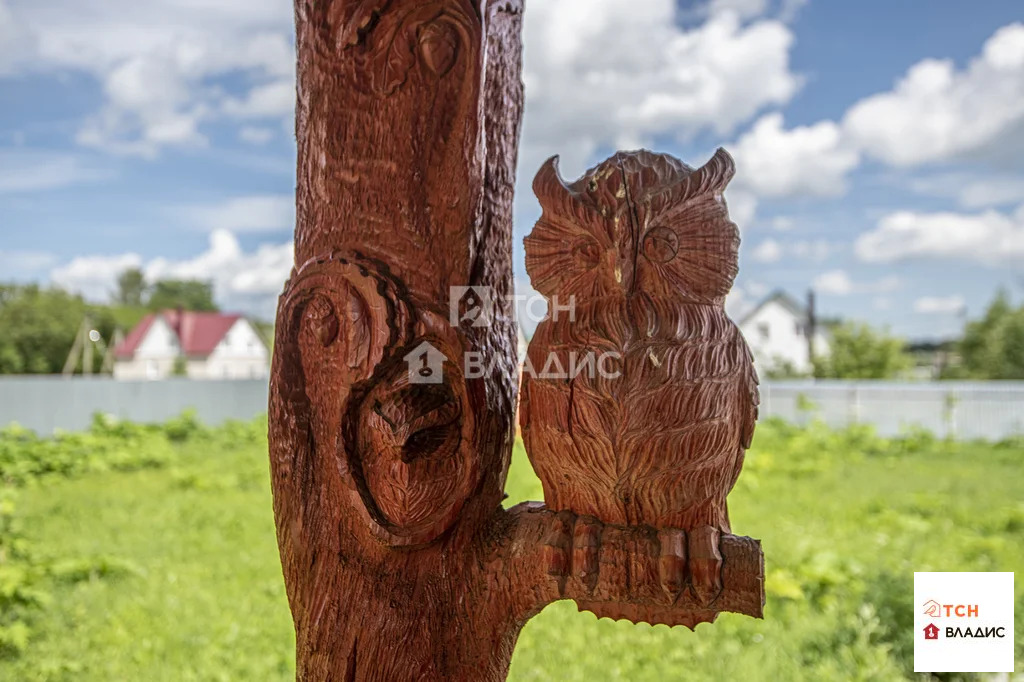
764	330
152	369
799	329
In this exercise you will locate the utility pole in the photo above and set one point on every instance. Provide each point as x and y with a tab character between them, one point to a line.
812	326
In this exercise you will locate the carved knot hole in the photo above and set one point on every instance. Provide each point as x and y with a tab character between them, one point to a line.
439	45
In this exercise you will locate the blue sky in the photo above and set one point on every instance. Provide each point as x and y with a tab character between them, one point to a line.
879	144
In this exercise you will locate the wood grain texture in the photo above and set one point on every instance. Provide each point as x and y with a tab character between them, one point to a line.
399	561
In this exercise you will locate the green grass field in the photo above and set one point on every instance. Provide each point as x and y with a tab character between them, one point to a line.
149	554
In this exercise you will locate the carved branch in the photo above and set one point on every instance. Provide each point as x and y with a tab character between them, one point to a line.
636	573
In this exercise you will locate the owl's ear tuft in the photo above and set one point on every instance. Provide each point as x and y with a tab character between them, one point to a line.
548	184
714	175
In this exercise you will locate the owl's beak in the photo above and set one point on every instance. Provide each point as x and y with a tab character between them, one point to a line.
622	270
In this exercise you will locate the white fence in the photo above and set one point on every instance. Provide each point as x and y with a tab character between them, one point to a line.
991	410
47	403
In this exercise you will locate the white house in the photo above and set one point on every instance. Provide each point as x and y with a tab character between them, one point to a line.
776	331
202	345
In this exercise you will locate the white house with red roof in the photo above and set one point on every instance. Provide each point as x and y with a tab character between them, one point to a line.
204	345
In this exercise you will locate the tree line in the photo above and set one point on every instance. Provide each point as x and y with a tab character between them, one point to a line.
38	324
991	348
38	327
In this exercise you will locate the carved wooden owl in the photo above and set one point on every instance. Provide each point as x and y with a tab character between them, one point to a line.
639	396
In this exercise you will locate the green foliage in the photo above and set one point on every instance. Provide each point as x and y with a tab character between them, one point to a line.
188	294
781	368
38	327
180	367
856	351
993	347
131	288
29	573
170	571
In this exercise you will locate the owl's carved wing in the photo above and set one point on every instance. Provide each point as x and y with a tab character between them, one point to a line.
749	398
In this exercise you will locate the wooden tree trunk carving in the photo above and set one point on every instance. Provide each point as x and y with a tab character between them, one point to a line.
389	449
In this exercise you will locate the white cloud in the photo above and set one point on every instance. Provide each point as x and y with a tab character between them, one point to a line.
742	206
973	190
246	281
997	191
606	73
259	213
990	237
93	276
24	263
814	250
746	9
835	282
839	283
272	100
937	112
783	224
15	44
802	161
159	62
939	305
772	250
757	289
23	170
790	9
255	136
768	251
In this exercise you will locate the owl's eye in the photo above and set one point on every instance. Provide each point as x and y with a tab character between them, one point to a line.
587	253
660	245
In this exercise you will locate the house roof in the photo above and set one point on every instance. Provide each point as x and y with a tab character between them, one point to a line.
198	333
782	298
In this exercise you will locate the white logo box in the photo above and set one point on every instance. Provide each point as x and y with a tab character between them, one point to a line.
974	616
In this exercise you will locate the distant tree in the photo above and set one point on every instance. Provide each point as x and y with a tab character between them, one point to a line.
993	347
189	294
856	351
781	368
38	327
131	288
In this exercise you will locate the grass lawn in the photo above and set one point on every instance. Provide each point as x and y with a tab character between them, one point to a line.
168	569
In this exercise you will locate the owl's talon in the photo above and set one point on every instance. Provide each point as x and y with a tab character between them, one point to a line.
586	546
558	543
705	564
672	562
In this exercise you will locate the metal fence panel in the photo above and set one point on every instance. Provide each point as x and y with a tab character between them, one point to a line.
991	410
47	403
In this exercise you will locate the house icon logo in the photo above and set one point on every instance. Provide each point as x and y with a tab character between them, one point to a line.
425	364
931	631
933	608
472	305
